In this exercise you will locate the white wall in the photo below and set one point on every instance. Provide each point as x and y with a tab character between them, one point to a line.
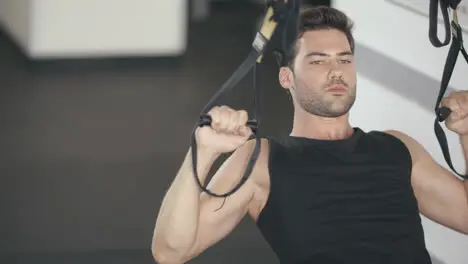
401	35
89	28
394	57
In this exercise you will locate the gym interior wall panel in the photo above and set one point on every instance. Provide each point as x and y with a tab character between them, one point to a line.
88	29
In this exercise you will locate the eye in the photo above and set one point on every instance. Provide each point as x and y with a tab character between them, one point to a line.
345	61
316	62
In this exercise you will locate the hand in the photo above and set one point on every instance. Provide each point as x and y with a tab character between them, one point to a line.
228	130
457	121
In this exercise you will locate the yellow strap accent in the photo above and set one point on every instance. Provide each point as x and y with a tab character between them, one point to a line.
268	27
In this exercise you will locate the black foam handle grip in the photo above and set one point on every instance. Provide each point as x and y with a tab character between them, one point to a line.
205	120
443	112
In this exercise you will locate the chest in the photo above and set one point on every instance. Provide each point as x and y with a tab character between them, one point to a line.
322	198
368	181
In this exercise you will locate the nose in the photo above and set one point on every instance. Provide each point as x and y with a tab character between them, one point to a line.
335	70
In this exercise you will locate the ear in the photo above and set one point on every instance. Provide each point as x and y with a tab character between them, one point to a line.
286	77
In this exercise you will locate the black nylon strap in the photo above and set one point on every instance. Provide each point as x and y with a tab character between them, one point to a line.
278	12
433	22
241	71
443	112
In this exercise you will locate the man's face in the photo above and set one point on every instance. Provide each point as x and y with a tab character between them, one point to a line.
323	80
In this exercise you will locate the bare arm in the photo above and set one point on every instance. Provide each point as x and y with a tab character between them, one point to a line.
219	216
188	221
442	197
176	225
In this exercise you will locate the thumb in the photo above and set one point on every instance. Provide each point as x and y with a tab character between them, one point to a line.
245	131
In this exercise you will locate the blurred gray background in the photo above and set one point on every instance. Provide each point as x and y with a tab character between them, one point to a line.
89	146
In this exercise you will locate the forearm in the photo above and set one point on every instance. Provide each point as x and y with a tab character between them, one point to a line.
464	143
177	222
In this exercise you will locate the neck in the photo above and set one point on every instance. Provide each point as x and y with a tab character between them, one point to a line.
322	128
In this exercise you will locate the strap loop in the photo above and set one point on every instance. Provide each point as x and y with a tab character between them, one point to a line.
433	20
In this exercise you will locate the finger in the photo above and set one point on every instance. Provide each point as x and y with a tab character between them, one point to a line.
451	102
245	131
223	119
231	125
445	101
220	121
457	113
230	119
216	118
242	120
453	117
233	122
462	100
457	102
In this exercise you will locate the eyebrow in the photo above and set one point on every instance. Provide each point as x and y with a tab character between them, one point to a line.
315	53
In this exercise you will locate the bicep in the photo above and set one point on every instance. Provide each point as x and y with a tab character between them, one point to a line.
220	215
440	194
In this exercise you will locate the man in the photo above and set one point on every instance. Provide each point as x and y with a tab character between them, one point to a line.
328	192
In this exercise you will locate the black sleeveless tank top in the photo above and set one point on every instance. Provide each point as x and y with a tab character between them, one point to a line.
342	201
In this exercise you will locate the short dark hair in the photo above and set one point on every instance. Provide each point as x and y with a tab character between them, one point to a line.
317	18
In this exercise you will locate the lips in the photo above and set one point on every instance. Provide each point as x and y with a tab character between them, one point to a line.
337	88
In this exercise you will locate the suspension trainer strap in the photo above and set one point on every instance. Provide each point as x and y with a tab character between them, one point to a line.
456	47
278	12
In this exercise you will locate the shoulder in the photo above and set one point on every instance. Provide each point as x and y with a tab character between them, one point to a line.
254	149
405	138
252	144
266	146
416	150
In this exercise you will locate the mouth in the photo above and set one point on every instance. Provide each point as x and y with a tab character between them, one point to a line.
337	89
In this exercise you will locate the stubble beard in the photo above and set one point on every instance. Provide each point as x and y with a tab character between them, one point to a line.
323	104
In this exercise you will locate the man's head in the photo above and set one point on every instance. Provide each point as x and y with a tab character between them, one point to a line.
319	71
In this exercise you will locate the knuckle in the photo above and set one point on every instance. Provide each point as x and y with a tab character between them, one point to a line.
213	112
243	113
232	121
225	111
225	108
243	116
216	108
